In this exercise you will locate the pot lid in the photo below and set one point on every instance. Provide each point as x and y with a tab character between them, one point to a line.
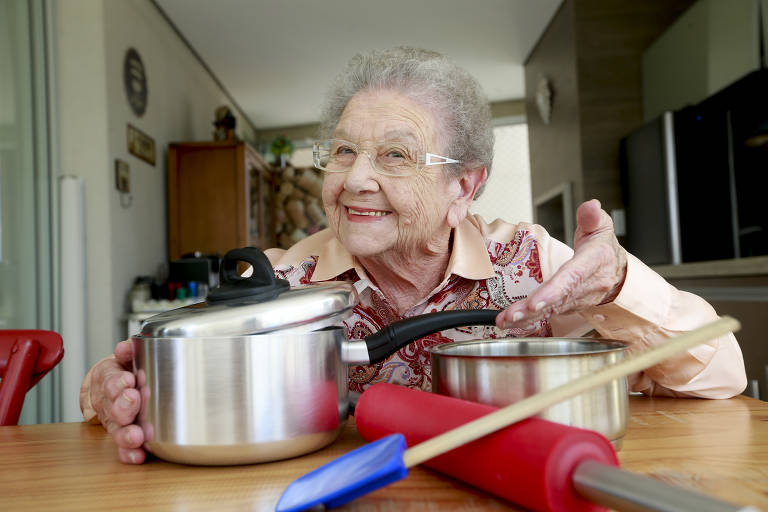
254	304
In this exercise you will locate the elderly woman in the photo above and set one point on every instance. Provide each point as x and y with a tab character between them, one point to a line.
407	146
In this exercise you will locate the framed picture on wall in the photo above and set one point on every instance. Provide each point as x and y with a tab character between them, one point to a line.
122	176
140	144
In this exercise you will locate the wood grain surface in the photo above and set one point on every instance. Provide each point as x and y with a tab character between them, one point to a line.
719	447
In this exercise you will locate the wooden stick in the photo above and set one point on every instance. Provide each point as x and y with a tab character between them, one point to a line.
540	401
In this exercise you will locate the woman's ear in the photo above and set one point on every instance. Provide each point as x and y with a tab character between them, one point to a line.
468	183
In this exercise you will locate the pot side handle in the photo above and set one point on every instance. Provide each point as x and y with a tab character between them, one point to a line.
398	334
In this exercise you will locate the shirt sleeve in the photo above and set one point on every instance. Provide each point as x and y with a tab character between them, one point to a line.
647	311
274	254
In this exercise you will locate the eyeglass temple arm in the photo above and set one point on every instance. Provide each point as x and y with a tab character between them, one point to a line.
433	159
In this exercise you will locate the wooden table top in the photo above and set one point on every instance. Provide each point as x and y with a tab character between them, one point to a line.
719	447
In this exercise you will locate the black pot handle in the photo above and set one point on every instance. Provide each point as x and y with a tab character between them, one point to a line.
398	334
261	285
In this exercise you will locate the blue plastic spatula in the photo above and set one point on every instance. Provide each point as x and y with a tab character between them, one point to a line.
387	460
354	474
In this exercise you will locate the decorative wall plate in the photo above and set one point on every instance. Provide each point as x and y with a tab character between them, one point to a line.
135	81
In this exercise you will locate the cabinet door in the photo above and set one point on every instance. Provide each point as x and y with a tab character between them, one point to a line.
219	198
261	232
206	200
266	203
255	223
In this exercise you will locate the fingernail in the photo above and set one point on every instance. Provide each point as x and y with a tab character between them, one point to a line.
540	305
518	315
124	381
132	456
128	438
125	400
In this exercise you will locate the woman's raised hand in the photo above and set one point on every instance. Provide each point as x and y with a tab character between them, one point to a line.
114	397
593	276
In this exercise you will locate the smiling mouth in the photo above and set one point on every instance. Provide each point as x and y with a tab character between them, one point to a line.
368	213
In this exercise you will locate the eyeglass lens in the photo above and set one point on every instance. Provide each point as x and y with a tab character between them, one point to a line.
395	158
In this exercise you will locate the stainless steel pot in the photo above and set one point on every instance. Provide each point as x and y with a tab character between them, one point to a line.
258	372
504	371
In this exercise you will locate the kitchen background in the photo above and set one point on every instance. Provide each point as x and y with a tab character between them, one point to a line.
573	84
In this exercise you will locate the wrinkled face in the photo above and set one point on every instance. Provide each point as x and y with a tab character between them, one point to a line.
372	213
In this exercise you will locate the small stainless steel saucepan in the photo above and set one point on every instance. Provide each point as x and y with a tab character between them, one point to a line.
259	371
504	371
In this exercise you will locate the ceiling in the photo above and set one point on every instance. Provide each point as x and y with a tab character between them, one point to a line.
277	57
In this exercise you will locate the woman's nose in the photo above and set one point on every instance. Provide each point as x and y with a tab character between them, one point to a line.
362	177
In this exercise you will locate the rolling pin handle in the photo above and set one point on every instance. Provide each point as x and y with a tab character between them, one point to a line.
622	490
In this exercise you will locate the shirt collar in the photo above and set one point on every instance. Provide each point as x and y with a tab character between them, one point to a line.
332	261
469	257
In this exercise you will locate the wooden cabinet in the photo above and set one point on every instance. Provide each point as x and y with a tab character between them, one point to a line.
219	198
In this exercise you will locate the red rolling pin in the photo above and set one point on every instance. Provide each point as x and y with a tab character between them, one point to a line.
535	463
529	463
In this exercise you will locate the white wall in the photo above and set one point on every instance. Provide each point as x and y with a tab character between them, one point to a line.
80	142
507	194
713	44
90	38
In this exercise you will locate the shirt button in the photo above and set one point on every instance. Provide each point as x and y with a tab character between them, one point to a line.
598	317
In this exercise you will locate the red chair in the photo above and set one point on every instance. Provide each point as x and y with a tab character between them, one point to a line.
25	357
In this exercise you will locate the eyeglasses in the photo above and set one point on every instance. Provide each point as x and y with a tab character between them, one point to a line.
388	158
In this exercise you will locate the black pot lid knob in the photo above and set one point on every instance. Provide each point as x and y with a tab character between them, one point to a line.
261	284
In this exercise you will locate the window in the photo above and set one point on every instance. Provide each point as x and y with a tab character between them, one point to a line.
302	157
507	194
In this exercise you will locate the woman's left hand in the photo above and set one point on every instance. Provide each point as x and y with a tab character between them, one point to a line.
593	276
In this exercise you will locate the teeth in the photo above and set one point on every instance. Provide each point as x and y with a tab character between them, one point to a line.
370	214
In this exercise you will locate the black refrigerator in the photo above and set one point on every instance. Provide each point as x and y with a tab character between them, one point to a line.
695	181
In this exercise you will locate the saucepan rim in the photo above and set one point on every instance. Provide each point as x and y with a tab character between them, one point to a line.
262	337
475	349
